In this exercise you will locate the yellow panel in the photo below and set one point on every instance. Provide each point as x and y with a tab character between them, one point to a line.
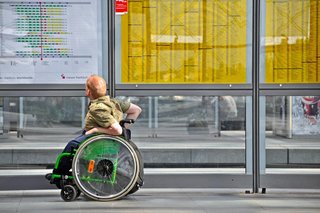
305	68
178	10
295	63
207	65
151	69
317	77
269	64
150	26
150	3
185	41
149	45
135	12
311	75
164	64
295	45
192	74
135	66
135	34
124	51
221	13
220	53
135	49
192	28
236	51
164	18
207	18
292	35
177	54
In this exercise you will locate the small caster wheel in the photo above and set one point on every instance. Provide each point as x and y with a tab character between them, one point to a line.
68	193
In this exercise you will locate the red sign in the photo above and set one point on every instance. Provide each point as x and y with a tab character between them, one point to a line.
121	7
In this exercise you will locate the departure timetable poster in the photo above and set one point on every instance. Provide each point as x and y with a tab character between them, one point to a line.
48	42
292	42
185	42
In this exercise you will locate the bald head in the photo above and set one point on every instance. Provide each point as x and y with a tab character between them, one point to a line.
96	87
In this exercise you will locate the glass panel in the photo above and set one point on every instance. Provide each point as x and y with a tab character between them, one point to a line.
191	131
165	41
42	114
292	132
52	114
35	129
290	41
172	131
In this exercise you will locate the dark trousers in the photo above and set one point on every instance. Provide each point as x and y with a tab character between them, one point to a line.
65	163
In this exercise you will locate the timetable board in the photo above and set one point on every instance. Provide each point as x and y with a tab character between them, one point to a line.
185	42
48	42
292	42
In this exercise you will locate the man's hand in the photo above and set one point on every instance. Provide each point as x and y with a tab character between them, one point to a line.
94	130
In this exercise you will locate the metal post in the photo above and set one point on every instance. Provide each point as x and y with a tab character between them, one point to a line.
255	84
111	48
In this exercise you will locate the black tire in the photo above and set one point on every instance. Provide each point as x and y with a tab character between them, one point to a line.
134	189
78	191
68	193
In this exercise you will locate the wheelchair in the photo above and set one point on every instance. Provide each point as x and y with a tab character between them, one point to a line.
104	168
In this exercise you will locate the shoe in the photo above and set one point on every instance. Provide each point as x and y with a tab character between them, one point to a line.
48	176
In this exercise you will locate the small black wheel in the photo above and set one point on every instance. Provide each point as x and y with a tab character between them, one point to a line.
68	193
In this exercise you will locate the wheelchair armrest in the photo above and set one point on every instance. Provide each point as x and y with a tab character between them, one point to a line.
126	121
126	133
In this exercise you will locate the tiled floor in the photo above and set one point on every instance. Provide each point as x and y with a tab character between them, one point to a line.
166	201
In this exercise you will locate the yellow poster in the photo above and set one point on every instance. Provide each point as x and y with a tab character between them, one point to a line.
291	41
184	41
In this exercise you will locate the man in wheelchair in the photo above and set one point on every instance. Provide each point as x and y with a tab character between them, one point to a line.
103	116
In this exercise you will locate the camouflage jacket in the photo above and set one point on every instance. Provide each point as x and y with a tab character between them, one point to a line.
104	111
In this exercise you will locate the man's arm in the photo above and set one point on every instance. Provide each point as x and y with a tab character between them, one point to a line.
132	113
114	129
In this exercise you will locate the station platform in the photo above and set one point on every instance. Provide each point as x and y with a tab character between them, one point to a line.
24	189
172	200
